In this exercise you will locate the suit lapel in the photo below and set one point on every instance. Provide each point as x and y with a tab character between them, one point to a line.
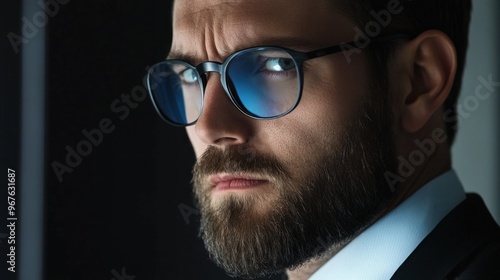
458	237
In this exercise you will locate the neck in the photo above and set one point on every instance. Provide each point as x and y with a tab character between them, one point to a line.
436	164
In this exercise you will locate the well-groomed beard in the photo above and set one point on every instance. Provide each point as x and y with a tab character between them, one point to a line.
322	207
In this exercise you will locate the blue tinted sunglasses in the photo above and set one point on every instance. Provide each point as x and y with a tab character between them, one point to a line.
262	82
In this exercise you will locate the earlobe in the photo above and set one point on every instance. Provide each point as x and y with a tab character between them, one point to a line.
431	64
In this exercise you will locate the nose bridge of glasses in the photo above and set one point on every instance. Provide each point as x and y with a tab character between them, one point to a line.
209	66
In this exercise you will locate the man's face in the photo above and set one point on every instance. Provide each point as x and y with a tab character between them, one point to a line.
273	192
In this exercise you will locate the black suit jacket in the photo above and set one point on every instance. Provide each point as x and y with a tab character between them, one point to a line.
464	245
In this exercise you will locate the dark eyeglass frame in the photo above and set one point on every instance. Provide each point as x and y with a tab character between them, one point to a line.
298	57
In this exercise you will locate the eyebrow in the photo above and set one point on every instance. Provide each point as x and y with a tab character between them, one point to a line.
294	43
188	57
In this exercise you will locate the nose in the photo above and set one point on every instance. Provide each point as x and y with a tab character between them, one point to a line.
221	123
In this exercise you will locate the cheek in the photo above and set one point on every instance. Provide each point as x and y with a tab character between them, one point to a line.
299	140
335	89
198	145
330	100
299	145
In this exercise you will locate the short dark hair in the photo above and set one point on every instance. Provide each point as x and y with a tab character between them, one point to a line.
415	17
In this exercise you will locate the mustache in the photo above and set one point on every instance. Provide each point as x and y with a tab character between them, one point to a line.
237	159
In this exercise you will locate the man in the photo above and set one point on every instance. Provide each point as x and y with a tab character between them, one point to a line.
322	130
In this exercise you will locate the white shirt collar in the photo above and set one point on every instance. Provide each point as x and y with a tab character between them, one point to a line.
380	249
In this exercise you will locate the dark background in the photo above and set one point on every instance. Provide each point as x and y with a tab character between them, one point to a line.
116	211
119	210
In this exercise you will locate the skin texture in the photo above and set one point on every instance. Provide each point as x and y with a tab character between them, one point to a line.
421	73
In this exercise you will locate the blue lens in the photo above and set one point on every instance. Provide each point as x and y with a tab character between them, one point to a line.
176	90
264	82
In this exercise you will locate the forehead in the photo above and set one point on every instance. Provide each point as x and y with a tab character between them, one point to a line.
212	29
185	11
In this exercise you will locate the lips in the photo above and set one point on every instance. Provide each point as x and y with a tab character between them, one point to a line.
221	182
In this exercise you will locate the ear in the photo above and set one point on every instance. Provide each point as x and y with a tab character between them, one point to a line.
427	66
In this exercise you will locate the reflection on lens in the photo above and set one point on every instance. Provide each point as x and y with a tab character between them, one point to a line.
176	90
264	83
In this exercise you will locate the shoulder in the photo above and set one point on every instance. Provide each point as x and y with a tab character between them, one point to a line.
483	265
464	245
484	261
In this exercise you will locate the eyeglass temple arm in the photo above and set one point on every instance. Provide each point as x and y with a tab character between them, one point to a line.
359	44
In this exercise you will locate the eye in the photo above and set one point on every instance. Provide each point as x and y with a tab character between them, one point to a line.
279	64
189	76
